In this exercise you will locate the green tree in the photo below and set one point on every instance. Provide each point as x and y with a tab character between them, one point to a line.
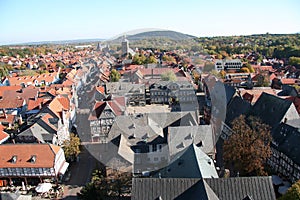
97	189
71	147
3	70
245	70
168	76
294	61
248	148
208	66
263	80
249	67
139	59
293	192
151	59
115	75
168	58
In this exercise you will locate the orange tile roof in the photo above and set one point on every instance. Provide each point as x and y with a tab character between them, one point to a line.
45	155
3	134
58	104
46	119
30	79
100	89
7	118
288	81
34	104
5	88
16	102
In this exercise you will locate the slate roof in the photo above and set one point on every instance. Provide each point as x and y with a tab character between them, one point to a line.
238	188
171	188
190	163
229	91
37	131
182	136
236	107
149	125
286	139
269	105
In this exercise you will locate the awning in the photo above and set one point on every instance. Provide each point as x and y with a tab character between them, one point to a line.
64	168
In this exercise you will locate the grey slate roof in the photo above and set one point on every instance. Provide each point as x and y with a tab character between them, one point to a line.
149	125
182	136
259	188
229	91
236	108
171	188
271	109
190	163
39	132
286	139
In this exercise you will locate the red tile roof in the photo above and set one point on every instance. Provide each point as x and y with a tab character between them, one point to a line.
13	88
58	104
100	89
255	93
50	77
7	118
16	102
288	81
45	155
3	135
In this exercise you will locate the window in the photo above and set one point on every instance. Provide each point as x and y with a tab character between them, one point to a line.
155	159
154	148
160	148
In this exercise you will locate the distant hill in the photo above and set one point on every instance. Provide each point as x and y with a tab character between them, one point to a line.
173	35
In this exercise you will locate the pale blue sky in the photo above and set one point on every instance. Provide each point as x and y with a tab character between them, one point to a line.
46	20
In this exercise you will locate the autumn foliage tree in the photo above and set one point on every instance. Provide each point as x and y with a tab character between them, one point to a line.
248	148
115	75
293	192
72	147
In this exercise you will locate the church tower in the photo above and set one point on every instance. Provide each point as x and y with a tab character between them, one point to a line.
125	46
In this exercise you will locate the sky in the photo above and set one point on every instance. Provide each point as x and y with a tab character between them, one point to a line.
53	20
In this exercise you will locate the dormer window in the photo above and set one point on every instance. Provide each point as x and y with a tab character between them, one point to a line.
33	159
14	159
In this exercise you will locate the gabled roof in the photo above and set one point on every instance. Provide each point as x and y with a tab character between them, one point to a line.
100	106
171	188
7	118
27	93
13	88
238	188
36	104
199	165
236	107
256	92
3	135
45	156
286	139
269	105
182	136
296	102
37	131
30	79
14	102
59	104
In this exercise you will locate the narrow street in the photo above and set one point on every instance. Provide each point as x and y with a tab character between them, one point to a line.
80	174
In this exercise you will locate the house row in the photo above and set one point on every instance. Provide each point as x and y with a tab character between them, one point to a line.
281	115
